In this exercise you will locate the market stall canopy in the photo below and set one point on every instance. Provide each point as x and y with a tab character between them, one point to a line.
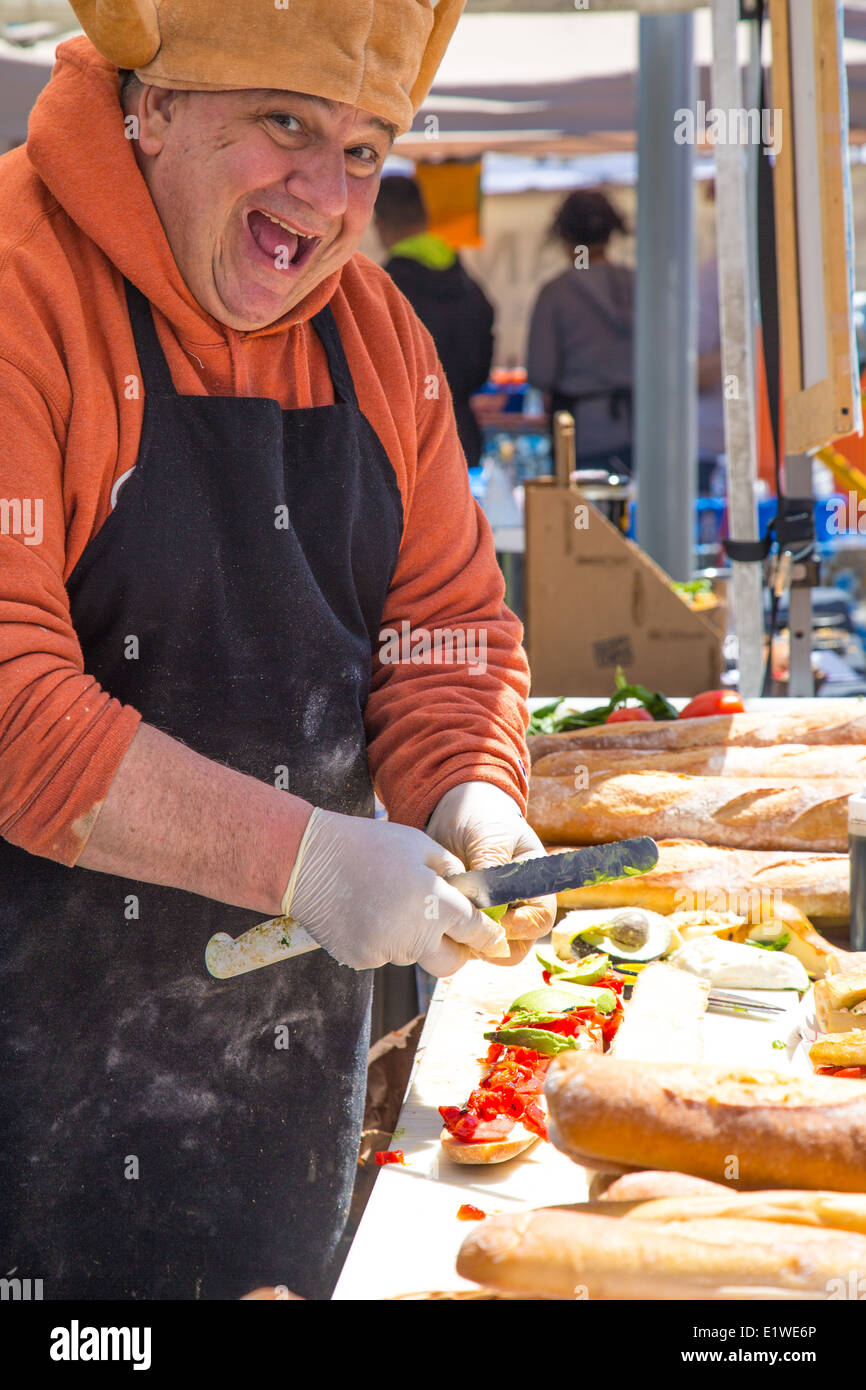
566	83
545	79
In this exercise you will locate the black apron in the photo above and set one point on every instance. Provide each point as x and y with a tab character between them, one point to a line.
165	1134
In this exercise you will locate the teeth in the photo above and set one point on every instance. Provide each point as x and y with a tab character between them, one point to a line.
294	231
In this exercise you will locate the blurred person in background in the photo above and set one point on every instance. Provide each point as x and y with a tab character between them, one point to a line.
450	304
581	330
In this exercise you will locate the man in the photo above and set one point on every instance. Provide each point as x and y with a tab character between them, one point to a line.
224	486
446	299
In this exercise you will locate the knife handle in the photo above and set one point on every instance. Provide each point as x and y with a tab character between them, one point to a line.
280	938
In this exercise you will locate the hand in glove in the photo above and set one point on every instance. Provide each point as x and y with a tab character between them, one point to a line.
372	892
483	826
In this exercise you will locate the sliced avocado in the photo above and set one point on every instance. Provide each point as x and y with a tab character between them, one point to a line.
535	1038
632	934
585	971
561	998
497	913
550	962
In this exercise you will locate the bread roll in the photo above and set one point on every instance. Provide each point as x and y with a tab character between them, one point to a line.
756	1128
835	721
790	760
567	1255
753	883
650	1184
739	813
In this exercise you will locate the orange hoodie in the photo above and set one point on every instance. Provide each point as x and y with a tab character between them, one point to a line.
75	214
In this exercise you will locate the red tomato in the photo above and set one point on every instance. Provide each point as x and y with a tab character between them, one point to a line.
469	1213
713	702
623	715
857	1073
389	1156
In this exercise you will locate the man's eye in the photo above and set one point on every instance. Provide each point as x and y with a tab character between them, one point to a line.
372	156
279	119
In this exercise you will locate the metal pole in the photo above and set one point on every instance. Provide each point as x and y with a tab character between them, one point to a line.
798	483
665	425
738	372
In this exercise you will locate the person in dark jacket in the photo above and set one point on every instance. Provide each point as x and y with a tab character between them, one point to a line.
580	334
444	296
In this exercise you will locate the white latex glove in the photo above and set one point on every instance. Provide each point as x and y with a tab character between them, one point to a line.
372	892
483	826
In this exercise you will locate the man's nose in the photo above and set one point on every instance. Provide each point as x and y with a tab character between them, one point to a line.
318	178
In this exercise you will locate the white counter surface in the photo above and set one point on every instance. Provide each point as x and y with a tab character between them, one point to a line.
409	1236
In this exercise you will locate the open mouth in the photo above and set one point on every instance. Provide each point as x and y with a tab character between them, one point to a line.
285	247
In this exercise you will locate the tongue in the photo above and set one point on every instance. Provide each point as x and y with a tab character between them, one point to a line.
275	241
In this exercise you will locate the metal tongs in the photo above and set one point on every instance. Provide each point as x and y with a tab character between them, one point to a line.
727	1001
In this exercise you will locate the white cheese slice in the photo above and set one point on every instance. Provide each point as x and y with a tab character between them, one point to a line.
733	965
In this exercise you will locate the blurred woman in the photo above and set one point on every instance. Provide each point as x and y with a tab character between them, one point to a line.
580	335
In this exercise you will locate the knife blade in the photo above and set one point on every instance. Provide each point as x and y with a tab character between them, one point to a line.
556	873
281	938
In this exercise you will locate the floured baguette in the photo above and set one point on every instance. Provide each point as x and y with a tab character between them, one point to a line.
740	813
836	721
691	874
754	1128
567	1255
841	1211
718	760
663	1018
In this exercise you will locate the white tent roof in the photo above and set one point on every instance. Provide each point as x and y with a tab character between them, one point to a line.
527	82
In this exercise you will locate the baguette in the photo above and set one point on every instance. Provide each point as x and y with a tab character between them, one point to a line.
840	1211
840	721
739	813
560	1254
691	875
757	1128
718	760
651	1184
492	1151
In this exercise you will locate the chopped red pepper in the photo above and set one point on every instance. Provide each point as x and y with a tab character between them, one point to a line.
469	1213
389	1156
511	1088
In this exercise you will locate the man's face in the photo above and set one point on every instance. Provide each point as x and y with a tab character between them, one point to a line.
225	169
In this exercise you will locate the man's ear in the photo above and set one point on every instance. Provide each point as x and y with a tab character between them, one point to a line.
156	110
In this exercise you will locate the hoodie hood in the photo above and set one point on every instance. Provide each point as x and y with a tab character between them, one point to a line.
78	146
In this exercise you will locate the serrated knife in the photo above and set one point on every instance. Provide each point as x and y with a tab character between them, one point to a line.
524	879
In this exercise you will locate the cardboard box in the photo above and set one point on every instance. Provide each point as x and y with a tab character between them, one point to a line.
595	601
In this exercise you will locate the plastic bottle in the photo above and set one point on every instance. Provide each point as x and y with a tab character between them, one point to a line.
857	851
